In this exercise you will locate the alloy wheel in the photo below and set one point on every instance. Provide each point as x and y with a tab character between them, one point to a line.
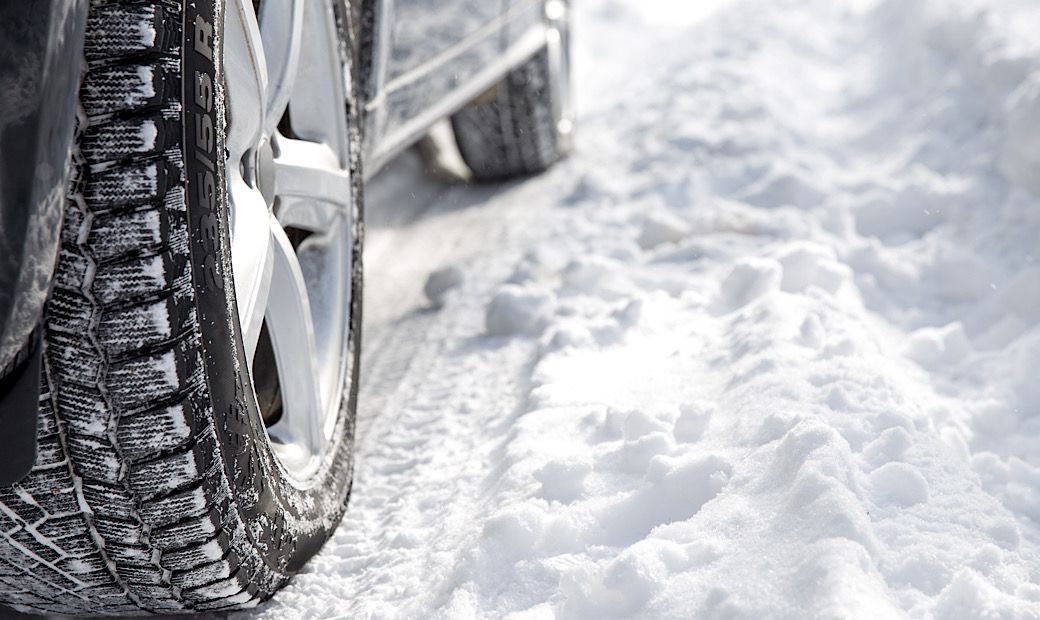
292	229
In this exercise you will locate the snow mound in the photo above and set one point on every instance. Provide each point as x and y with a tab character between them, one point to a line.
766	346
518	310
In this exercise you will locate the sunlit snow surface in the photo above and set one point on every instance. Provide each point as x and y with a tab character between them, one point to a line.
766	346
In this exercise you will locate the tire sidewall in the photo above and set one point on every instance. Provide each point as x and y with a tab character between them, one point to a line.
284	521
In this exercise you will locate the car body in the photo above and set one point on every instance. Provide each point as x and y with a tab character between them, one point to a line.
415	62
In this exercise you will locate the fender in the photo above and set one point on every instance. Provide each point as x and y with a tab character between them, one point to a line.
41	46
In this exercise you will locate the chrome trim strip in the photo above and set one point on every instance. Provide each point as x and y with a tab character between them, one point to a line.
524	48
432	64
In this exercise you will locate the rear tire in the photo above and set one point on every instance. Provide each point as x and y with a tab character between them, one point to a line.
156	489
522	125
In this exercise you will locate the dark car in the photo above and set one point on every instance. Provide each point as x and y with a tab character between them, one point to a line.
180	268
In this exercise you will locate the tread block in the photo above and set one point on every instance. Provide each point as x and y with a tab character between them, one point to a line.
121	30
77	356
128	185
147	324
190	532
49	452
119	233
78	547
149	575
128	554
122	88
75	215
138	383
124	139
117	527
86	569
29	540
156	599
188	558
20	500
235	588
48	424
43	572
109	499
245	598
50	494
166	474
206	573
59	528
191	502
138	277
73	269
94	458
68	312
83	408
151	432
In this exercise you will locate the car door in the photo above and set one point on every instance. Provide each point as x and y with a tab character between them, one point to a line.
425	51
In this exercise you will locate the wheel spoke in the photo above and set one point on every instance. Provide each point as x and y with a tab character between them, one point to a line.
246	78
252	250
289	322
281	25
312	188
320	119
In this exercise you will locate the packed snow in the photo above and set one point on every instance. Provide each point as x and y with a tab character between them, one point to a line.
766	346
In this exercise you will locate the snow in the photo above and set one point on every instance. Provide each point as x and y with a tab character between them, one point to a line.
440	282
766	346
517	310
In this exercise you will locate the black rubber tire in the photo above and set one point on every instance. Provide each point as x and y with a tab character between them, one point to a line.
510	132
155	489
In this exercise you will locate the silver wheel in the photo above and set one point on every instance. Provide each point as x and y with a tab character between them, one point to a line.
289	188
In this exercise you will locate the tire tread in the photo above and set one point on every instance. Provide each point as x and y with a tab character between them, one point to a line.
513	134
119	514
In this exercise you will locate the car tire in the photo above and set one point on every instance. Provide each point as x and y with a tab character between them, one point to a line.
157	487
524	124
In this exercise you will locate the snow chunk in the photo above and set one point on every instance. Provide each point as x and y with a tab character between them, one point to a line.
812	333
563	480
898	484
148	134
812	265
750	279
596	275
637	424
513	531
692	422
889	446
638	452
518	310
971	596
440	282
932	347
662	228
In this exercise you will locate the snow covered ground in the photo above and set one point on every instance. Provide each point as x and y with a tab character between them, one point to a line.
767	346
